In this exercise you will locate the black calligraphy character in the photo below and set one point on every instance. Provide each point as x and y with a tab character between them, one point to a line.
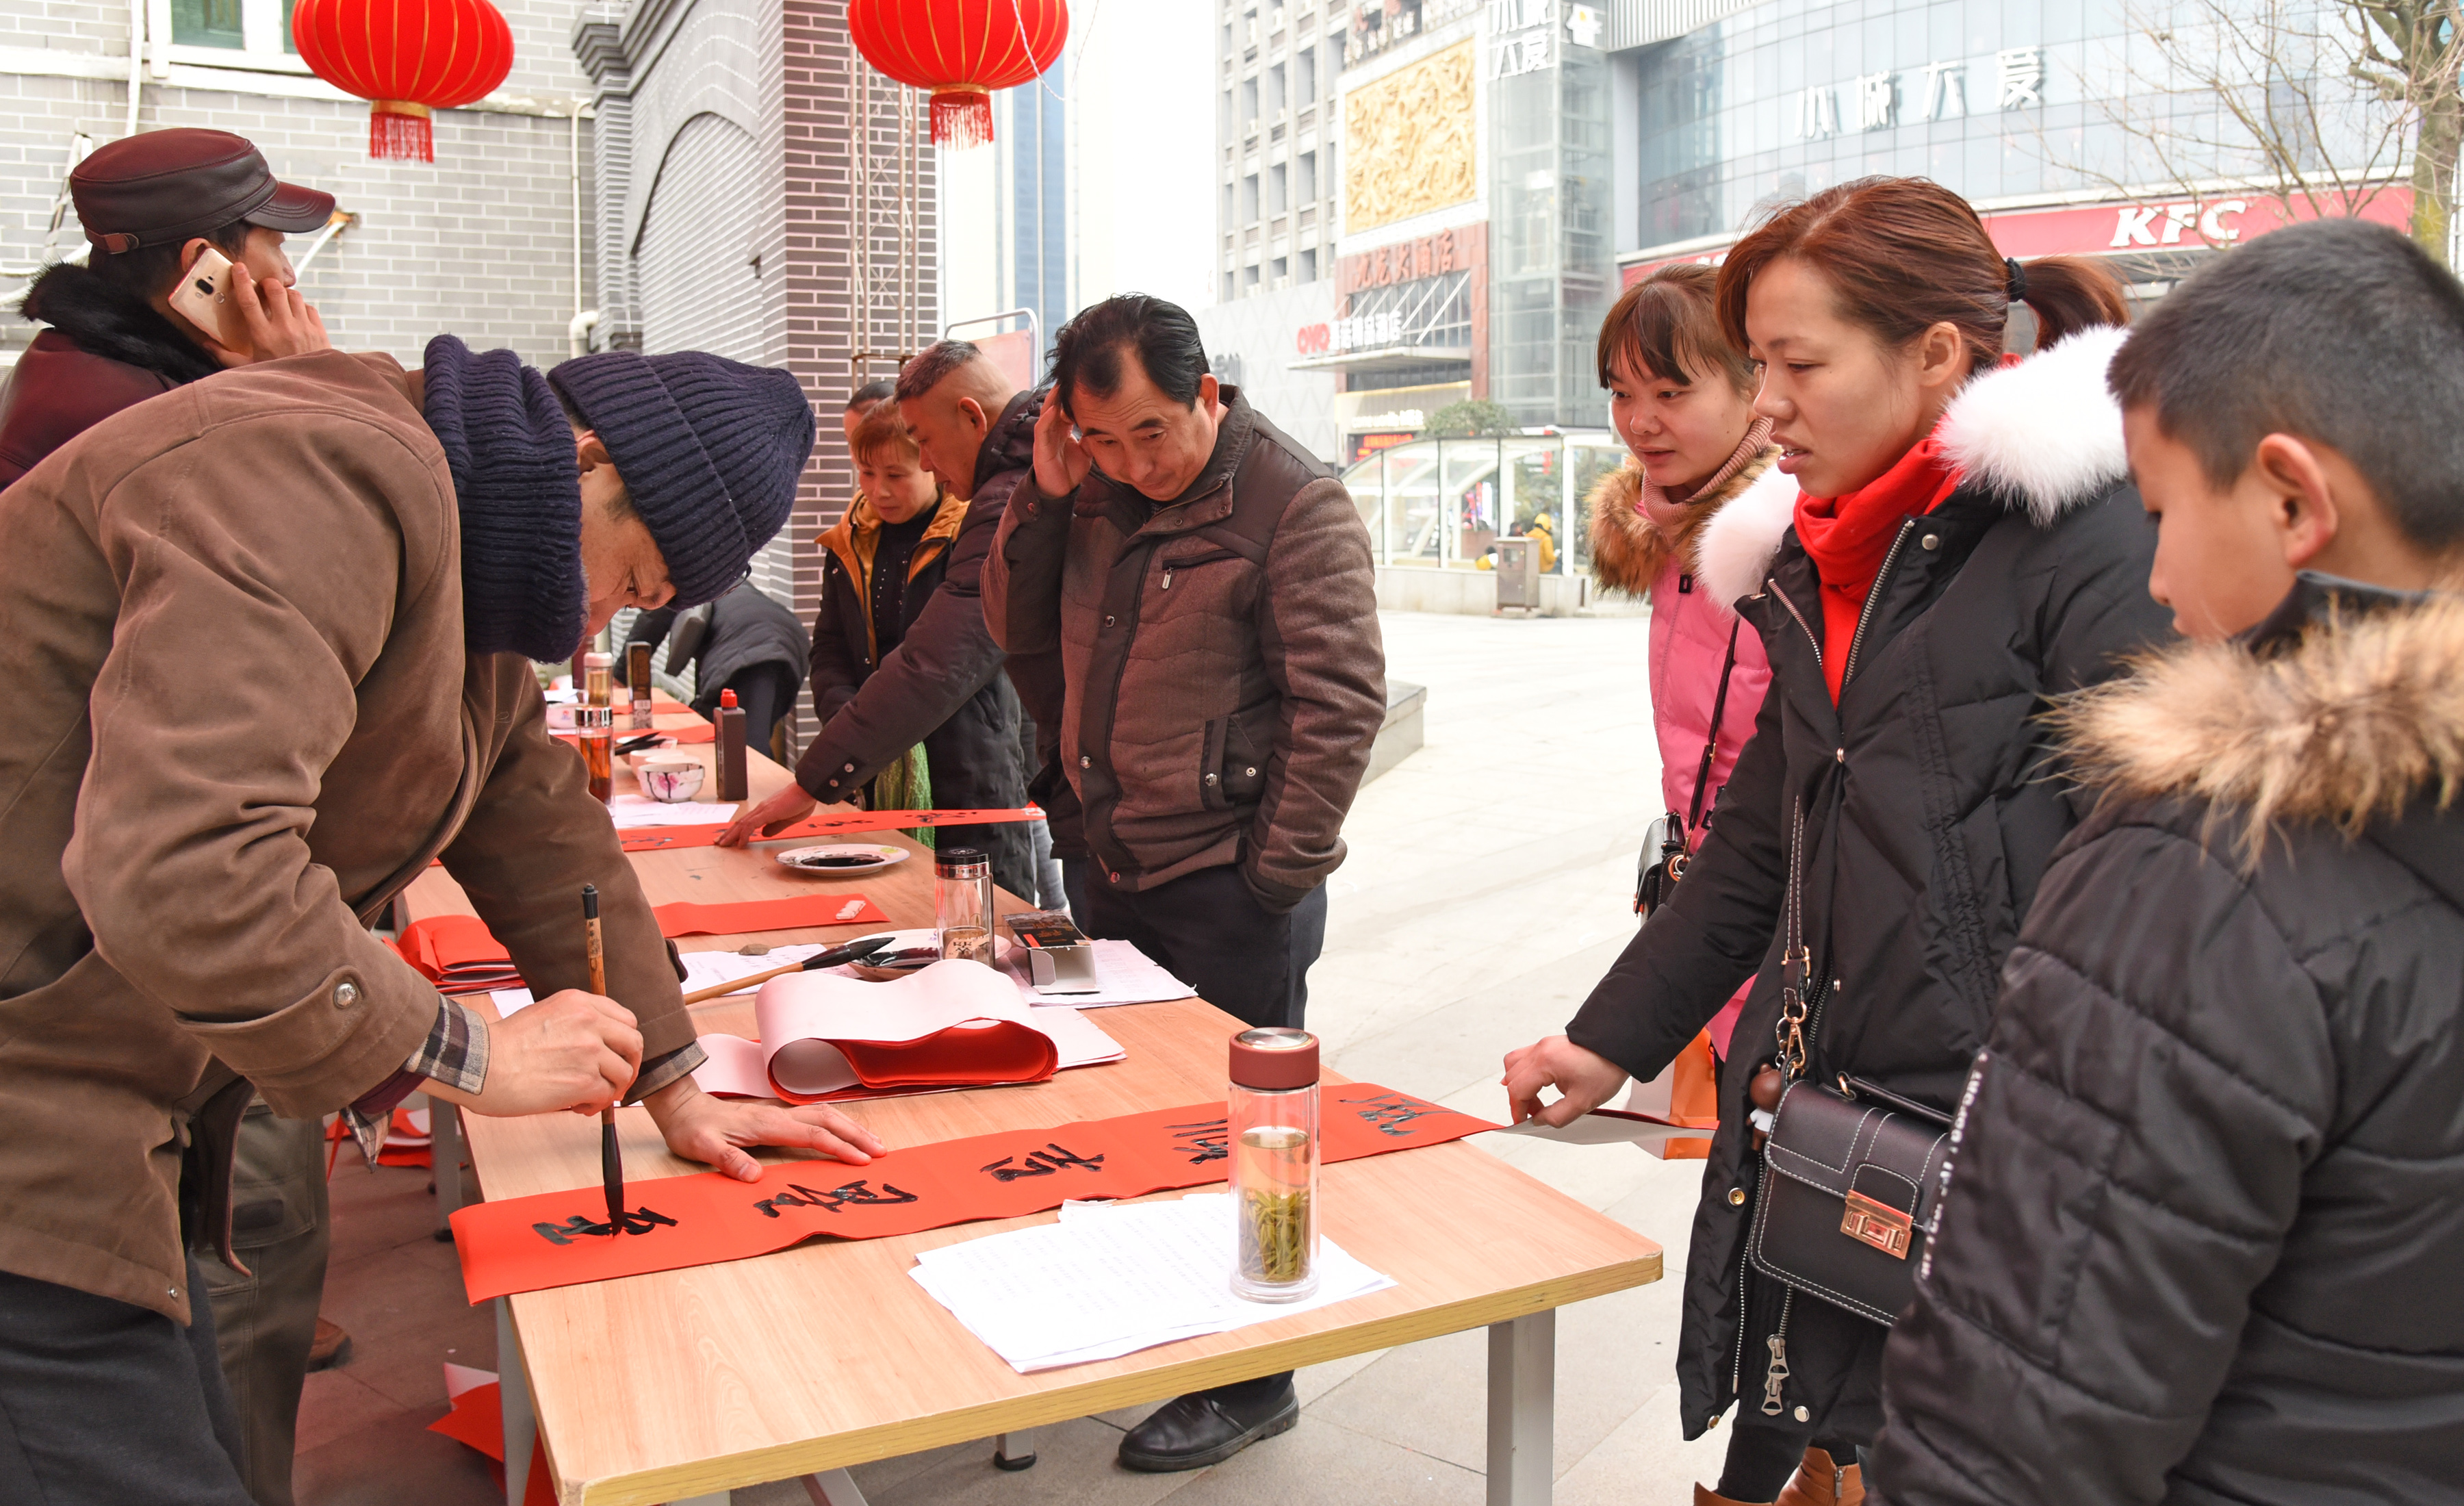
799	1195
1392	1112
1039	1164
640	1221
1211	1140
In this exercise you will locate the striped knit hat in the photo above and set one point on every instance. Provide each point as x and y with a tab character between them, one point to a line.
709	449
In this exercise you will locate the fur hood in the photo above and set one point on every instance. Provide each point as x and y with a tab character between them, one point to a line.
104	320
2043	434
2350	722
1628	553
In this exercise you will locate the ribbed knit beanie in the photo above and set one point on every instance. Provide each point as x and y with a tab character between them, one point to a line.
709	449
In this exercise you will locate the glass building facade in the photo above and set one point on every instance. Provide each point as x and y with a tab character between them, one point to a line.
1999	100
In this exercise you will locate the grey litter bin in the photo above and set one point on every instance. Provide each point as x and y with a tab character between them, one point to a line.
1518	575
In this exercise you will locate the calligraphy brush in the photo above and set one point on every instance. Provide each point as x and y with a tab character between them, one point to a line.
611	1155
861	947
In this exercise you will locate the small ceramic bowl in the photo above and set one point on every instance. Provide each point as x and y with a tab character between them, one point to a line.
671	779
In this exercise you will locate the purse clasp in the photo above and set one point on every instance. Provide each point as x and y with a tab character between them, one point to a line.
1877	1224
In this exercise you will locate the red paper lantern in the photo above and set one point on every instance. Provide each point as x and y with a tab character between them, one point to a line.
961	50
406	57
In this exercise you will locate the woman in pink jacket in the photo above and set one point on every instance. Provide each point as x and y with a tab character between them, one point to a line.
1682	399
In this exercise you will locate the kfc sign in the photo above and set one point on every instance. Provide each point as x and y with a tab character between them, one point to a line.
2135	224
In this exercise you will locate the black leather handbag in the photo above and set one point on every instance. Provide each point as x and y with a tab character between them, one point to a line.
1668	840
1848	1195
1850	1177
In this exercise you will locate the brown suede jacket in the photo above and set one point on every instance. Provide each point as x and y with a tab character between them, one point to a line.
241	719
1225	676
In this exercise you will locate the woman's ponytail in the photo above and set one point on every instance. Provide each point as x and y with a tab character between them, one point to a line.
2067	294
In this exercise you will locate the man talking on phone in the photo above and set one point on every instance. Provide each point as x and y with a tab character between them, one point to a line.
157	209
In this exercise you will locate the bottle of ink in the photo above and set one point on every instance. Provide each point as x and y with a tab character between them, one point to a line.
596	723
637	675
731	747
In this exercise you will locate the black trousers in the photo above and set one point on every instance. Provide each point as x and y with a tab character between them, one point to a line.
1210	932
102	1404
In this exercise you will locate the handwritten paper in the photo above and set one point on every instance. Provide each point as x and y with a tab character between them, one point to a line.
1110	1279
1610	1127
825	823
1123	975
632	812
554	1239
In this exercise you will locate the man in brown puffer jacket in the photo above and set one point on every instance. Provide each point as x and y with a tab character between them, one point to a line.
1210	589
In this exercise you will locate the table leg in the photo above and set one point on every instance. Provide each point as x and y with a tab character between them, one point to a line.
445	1159
1521	1409
1015	1450
513	1391
835	1488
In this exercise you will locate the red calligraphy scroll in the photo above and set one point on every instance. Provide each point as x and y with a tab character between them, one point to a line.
648	839
560	1238
459	955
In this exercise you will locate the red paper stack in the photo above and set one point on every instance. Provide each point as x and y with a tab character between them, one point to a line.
456	953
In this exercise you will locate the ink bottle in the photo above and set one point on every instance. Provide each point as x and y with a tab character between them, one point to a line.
637	678
1273	1128
729	736
595	721
962	903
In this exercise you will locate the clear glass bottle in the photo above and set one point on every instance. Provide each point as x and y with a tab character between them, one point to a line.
1274	1134
962	903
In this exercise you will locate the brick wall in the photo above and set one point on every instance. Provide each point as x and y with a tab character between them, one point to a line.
479	244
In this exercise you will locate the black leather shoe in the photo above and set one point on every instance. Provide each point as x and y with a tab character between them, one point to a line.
1205	1427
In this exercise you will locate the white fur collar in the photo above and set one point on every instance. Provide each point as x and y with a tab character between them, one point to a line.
1733	548
2044	434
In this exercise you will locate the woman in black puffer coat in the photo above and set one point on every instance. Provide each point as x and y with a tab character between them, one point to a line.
1969	547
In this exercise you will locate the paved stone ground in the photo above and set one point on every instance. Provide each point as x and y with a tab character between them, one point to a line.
1487	889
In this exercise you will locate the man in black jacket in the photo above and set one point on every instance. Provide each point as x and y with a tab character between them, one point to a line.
2199	1239
152	205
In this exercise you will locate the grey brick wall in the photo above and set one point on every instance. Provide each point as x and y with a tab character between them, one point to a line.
480	243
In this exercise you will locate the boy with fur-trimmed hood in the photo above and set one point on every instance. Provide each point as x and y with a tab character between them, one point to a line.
2199	1239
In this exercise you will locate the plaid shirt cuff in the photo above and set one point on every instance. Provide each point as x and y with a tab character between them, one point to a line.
455	1053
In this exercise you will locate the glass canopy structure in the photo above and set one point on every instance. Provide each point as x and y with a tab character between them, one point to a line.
1442	503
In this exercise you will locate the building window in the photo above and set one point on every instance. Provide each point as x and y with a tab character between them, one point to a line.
1228	221
1275	90
1308	177
1278	187
1309	265
1230	287
252	25
1250	199
1248	101
1282	270
1249	278
1306	63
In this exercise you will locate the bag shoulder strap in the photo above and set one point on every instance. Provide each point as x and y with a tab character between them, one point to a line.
1711	744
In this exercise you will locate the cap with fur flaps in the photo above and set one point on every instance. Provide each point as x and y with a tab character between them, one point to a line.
709	450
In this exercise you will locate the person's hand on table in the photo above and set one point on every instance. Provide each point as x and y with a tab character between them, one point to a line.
783	807
1061	461
1585	1080
280	321
714	1130
571	1050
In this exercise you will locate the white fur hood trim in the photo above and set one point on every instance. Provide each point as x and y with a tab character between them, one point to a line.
1736	545
2044	434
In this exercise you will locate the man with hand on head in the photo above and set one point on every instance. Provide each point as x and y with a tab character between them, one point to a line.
2199	1239
1210	591
272	654
152	207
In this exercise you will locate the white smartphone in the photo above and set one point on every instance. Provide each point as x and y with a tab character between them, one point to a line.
203	298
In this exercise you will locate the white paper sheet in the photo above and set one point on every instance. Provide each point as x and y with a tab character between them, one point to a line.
629	811
1123	975
1110	1280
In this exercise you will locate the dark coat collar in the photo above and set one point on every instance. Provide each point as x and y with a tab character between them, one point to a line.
2313	600
104	320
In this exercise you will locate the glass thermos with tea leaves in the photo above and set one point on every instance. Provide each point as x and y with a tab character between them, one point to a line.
1274	1138
962	903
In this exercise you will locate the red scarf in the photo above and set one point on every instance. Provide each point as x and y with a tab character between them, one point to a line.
1849	536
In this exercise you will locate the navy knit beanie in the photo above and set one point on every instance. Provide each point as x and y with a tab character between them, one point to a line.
709	449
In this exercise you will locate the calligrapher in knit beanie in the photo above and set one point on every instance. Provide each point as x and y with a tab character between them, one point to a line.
709	449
